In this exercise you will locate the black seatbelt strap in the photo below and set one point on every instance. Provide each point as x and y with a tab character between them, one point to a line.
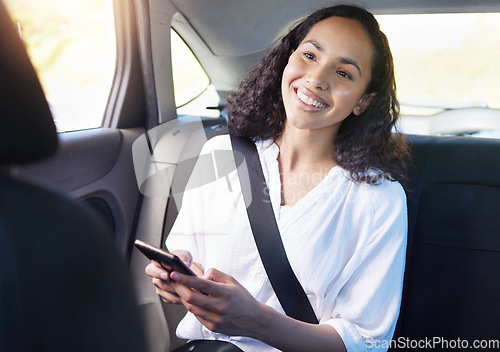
265	230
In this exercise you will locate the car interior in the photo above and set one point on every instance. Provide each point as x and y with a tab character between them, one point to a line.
60	270
77	200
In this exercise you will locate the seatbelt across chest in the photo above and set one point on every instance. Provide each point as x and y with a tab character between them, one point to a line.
265	230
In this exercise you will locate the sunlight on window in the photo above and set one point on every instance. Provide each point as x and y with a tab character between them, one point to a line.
72	46
190	80
445	60
193	93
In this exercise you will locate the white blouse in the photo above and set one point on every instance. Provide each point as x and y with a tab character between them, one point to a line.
345	241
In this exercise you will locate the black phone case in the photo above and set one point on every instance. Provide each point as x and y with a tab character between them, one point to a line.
168	261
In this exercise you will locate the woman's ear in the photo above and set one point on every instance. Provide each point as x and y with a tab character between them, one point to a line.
363	103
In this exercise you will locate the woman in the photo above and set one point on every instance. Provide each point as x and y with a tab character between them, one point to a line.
321	107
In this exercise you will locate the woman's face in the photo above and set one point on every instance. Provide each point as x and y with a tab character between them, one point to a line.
326	77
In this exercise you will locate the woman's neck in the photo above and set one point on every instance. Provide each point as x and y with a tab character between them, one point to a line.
304	159
305	149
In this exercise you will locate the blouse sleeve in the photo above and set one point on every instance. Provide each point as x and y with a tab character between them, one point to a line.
367	306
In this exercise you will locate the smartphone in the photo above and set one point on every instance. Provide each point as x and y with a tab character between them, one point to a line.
170	262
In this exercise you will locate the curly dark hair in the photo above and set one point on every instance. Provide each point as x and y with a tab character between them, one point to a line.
364	142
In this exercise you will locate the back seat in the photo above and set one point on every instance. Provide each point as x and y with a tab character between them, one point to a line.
451	286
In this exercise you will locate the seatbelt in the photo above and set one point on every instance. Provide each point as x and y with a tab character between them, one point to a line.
265	230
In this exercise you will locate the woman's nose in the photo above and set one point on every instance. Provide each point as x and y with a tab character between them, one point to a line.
317	78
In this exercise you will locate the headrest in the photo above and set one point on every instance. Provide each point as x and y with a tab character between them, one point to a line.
27	130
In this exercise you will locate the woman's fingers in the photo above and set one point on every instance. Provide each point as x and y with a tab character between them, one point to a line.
161	280
155	270
209	284
189	283
210	295
168	297
218	276
217	300
165	287
166	290
184	255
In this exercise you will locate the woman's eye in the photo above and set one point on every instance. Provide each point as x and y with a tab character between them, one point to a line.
344	74
309	56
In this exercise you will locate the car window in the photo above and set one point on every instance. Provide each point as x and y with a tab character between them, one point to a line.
192	89
72	47
190	80
445	63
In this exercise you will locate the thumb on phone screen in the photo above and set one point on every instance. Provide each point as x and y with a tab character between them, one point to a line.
184	255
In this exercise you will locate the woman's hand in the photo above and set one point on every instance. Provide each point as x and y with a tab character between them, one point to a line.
222	305
219	302
165	287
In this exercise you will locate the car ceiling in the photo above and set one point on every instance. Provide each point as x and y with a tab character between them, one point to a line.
229	35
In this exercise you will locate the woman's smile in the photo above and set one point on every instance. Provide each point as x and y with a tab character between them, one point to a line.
311	101
326	76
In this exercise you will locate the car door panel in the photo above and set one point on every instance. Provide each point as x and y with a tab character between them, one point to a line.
95	166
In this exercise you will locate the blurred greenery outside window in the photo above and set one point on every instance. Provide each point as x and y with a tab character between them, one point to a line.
447	72
445	60
73	49
442	61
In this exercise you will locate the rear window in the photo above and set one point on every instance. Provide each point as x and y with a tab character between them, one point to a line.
447	72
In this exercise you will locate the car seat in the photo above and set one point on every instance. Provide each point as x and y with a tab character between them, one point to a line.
453	256
63	284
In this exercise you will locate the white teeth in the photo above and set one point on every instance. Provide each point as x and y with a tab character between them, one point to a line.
309	101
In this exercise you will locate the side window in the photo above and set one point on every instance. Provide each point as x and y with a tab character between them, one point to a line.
192	89
446	72
72	46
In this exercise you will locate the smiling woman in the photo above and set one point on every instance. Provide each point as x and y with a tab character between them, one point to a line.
72	46
320	117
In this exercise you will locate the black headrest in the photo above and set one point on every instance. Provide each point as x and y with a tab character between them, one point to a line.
27	130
